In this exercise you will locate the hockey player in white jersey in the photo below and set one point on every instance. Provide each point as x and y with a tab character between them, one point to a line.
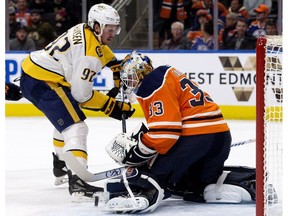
58	80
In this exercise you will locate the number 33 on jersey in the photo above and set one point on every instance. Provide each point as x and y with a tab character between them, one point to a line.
174	105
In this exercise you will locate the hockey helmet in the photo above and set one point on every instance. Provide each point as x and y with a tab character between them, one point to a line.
105	15
134	68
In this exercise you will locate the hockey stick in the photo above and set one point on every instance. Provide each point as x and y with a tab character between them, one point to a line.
243	142
87	176
84	174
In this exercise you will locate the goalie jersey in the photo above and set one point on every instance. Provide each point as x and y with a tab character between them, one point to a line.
175	106
72	60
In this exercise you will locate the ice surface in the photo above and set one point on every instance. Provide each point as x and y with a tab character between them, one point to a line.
30	189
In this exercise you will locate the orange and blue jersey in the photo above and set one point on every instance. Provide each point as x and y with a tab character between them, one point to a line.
175	106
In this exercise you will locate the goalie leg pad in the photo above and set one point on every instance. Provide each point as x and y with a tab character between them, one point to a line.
226	194
244	177
235	185
146	191
127	204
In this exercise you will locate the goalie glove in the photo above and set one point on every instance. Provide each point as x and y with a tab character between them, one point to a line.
126	150
138	154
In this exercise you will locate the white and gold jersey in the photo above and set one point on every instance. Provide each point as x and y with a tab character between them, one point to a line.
72	60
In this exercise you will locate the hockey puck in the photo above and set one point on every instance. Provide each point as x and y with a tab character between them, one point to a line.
96	201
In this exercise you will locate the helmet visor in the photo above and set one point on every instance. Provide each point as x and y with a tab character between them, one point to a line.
112	29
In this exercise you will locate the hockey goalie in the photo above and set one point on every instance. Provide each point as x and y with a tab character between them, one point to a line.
182	150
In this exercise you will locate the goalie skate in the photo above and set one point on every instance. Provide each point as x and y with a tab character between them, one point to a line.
126	204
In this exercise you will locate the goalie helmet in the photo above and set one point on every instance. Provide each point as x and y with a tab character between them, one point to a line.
105	15
134	68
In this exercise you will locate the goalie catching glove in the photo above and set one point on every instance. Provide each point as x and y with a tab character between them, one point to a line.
129	150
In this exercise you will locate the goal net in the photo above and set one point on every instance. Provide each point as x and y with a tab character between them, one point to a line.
269	97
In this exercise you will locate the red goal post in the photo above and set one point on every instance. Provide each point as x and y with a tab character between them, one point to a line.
269	116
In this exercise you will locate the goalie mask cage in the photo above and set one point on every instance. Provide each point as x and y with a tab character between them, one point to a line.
269	96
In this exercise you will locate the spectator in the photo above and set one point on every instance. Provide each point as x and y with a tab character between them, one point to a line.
250	5
66	8
237	7
174	43
12	23
271	28
208	6
38	5
229	28
192	33
257	27
23	13
41	32
61	23
206	42
165	13
22	42
241	40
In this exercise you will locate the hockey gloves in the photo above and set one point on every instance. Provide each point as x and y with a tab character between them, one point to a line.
126	150
138	155
116	109
115	67
12	92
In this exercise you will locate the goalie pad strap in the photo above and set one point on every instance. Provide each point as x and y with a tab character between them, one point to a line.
219	183
142	185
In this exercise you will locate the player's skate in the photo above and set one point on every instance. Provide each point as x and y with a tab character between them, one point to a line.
59	170
80	190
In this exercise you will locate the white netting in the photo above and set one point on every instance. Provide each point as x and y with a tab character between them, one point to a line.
273	97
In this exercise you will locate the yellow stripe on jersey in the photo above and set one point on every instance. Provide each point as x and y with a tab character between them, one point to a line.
37	72
58	143
62	95
95	49
79	153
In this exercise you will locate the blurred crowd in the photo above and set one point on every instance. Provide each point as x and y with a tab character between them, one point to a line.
35	23
179	24
188	24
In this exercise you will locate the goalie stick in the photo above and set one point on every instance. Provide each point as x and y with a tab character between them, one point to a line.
123	114
87	176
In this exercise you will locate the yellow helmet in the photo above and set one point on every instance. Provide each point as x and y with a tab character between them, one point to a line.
134	68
